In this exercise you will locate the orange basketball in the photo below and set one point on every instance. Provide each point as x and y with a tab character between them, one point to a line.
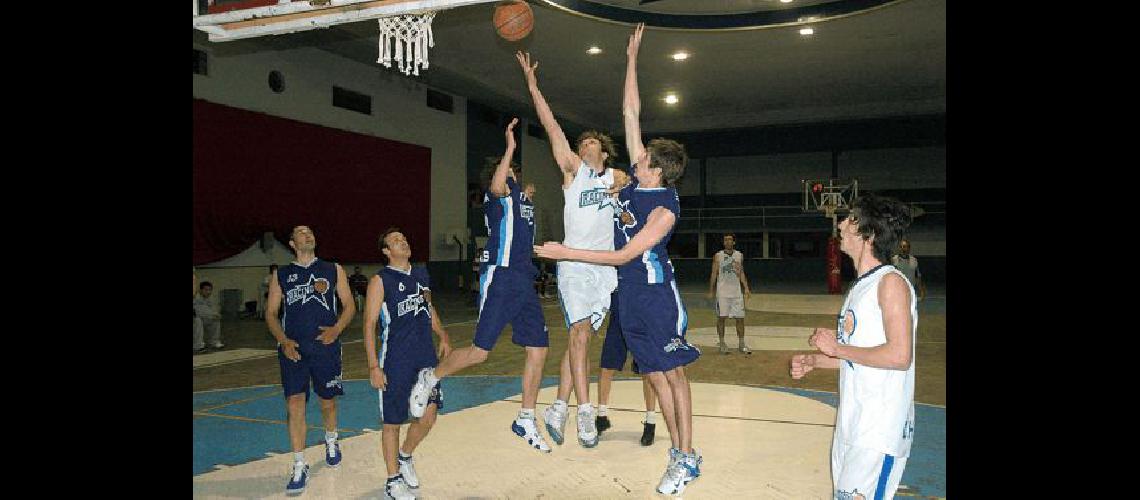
513	20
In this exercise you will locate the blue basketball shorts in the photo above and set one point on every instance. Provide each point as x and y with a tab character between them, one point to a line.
507	296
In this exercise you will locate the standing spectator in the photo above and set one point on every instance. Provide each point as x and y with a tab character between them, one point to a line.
209	318
728	279
198	345
908	264
358	282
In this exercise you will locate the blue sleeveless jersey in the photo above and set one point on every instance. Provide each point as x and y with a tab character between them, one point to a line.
405	319
310	298
636	203
510	227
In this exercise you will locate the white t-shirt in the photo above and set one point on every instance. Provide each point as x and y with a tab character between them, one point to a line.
876	406
728	280
908	266
588	214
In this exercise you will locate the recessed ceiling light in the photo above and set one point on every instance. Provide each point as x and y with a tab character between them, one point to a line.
671	99
680	55
594	50
785	1
807	31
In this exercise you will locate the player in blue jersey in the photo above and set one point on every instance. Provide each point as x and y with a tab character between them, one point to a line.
506	295
308	338
398	304
652	316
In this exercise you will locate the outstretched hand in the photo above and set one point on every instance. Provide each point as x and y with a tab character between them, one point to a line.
527	67
510	133
635	41
551	250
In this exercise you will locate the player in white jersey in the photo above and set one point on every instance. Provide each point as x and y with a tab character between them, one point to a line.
873	348
728	278
583	289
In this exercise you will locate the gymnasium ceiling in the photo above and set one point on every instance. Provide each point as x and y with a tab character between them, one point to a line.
886	61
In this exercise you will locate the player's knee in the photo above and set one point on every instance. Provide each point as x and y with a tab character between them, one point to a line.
296	402
328	404
676	376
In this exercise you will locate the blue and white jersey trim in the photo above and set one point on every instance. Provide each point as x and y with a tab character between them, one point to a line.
506	231
385	321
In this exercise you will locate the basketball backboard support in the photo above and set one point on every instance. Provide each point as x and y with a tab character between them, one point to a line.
829	196
235	20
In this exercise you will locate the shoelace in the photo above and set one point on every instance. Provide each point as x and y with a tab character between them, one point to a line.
298	471
331	447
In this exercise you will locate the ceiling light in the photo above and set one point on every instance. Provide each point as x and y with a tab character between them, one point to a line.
680	55
671	99
594	50
807	31
785	1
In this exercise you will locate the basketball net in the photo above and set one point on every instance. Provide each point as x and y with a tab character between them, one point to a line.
406	39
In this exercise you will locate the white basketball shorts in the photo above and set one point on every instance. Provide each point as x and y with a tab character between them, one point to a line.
584	292
862	471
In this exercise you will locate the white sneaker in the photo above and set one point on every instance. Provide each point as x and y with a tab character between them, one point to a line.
555	423
408	471
218	345
587	427
681	471
722	347
744	349
421	392
396	489
526	429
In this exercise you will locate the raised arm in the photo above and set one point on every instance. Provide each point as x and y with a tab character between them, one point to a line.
658	224
566	158
499	179
631	103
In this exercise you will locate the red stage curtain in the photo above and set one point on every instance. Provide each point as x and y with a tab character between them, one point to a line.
255	173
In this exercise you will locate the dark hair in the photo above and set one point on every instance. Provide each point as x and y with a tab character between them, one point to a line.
489	165
607	145
726	235
670	157
384	242
205	284
884	218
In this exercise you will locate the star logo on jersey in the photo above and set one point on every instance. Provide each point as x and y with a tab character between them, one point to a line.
415	303
314	289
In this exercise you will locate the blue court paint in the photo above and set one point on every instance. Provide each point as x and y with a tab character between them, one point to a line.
221	440
925	472
224	440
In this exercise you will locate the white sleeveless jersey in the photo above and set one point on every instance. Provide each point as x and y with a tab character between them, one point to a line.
876	406
588	214
728	281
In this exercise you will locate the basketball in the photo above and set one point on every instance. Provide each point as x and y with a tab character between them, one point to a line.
513	20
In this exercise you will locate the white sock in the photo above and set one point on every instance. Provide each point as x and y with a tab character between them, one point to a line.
601	410
649	417
559	405
330	436
586	407
431	378
404	455
527	413
299	456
